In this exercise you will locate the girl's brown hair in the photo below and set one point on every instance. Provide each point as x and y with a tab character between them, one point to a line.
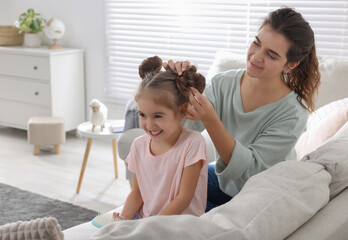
305	78
168	82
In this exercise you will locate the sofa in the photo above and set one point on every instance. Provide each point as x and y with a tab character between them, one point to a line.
304	199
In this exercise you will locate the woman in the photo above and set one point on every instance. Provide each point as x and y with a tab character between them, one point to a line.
254	116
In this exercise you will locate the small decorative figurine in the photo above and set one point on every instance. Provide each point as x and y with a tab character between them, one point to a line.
98	114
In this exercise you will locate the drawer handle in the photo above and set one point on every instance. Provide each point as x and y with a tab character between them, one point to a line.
35	67
36	93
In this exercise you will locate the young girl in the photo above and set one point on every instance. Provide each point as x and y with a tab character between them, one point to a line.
254	116
169	162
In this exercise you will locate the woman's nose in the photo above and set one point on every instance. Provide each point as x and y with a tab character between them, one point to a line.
258	55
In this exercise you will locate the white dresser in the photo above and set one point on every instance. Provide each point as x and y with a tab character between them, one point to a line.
41	82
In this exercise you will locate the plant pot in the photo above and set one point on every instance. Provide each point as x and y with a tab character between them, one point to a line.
32	40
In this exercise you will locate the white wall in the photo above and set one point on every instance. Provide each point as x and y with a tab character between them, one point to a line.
84	28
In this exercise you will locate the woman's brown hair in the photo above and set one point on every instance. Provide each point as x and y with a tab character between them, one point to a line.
179	86
305	78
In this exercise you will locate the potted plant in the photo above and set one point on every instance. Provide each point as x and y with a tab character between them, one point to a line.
31	24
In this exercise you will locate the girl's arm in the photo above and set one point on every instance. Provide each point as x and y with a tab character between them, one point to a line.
133	202
187	189
200	108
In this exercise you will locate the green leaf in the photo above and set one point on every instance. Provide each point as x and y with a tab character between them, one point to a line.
31	13
35	26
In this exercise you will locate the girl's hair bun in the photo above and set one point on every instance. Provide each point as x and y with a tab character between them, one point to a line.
194	79
150	66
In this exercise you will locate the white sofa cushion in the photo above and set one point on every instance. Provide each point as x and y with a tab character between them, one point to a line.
333	155
334	84
225	60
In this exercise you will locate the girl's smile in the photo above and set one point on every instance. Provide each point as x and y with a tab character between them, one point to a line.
155	133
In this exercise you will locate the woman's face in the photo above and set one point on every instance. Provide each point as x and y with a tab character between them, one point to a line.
267	54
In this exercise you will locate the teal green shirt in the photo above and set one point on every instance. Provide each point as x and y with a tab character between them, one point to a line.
263	137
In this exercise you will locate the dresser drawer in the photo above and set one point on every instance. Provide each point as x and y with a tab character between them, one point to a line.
23	90
17	114
25	66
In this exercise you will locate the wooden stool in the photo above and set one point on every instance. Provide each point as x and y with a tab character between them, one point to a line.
46	131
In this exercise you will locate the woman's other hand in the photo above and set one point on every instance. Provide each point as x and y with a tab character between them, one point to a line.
178	67
199	107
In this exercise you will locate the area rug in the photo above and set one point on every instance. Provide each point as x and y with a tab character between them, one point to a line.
17	204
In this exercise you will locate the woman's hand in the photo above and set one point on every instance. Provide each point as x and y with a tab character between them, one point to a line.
199	107
178	67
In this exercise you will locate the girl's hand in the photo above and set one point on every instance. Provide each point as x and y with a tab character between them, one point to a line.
199	107
178	67
117	216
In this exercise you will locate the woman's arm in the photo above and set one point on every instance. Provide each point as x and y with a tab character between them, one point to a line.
133	202
187	189
200	108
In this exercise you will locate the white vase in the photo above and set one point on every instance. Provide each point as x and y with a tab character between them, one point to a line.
32	40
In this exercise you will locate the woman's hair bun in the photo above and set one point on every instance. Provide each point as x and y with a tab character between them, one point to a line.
149	66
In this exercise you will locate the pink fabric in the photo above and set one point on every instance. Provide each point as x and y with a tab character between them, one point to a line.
314	137
159	177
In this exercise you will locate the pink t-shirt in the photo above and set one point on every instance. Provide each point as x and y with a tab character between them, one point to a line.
159	177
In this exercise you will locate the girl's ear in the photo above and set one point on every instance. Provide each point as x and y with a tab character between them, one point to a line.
290	66
183	110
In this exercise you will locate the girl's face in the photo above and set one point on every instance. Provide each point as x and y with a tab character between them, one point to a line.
267	55
161	123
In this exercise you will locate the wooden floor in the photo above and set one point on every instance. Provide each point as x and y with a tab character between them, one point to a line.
56	176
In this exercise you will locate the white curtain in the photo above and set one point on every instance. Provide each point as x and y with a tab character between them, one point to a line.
195	30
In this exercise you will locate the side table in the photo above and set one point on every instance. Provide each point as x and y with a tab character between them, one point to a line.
85	130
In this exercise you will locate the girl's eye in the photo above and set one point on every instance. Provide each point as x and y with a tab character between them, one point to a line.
141	114
158	116
256	43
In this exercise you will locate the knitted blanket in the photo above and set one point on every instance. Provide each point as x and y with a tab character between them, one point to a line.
40	228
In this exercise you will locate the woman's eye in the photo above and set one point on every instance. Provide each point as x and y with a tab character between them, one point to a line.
270	55
256	43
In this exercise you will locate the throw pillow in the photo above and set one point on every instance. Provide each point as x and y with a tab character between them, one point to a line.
326	128
321	113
